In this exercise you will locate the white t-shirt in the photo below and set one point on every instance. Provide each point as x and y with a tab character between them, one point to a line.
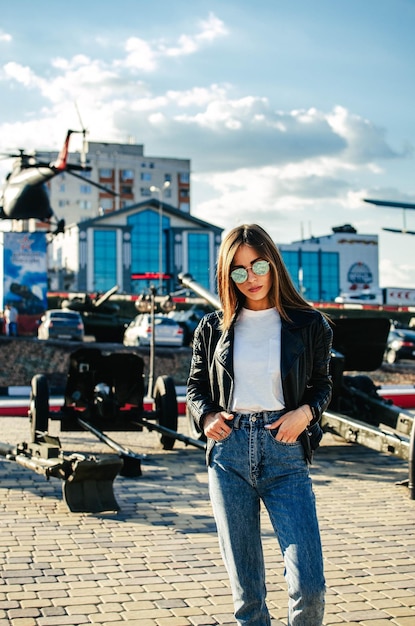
257	362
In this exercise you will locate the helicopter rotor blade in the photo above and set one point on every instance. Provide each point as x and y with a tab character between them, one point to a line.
93	183
20	153
402	231
84	134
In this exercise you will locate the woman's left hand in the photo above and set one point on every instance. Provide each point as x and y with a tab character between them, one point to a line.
291	424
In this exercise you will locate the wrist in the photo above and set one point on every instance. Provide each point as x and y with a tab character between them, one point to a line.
207	418
306	409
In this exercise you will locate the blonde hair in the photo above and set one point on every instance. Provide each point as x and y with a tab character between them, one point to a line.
283	295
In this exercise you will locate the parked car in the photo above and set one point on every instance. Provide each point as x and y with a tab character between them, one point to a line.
61	324
167	331
188	320
360	297
400	344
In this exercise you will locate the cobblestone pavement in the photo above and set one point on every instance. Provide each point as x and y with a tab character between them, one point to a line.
156	562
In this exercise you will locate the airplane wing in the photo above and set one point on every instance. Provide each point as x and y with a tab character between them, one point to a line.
400	230
396	205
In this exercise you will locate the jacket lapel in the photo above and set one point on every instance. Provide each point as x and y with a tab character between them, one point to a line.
224	351
292	346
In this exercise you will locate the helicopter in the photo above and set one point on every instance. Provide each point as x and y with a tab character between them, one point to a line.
396	205
25	194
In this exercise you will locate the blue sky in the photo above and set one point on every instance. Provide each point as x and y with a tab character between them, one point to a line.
291	112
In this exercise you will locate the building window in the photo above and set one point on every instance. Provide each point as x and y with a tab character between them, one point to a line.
184	177
198	257
126	190
127	175
167	178
86	189
330	276
145	176
105	172
314	274
105	259
62	187
85	204
184	193
106	204
145	191
145	238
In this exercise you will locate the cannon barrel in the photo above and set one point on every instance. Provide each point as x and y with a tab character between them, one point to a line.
106	296
187	281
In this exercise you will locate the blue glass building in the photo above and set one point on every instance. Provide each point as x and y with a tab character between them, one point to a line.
145	244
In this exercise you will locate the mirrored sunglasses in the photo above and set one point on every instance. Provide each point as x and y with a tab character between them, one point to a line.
240	274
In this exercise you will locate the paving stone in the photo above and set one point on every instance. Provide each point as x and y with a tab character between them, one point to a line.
157	561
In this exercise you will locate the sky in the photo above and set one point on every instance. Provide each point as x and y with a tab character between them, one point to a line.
290	112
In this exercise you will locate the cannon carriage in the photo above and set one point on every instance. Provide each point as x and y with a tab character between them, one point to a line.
104	393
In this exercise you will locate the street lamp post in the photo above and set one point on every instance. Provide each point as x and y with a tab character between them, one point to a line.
146	303
153	189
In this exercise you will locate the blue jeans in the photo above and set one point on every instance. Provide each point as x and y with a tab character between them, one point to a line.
248	466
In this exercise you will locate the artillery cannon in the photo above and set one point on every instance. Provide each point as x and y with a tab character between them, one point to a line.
104	392
357	412
101	318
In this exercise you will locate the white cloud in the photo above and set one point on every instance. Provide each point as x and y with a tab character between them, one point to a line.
210	29
197	96
6	37
147	56
140	55
365	141
21	74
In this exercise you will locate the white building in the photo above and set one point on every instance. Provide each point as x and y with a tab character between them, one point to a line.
344	262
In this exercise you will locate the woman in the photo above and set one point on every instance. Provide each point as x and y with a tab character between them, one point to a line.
259	380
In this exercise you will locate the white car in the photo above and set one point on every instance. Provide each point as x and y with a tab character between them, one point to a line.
167	331
359	297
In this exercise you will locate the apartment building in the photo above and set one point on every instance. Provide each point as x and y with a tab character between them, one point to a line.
126	177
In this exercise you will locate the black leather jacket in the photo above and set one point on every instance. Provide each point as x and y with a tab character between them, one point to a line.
305	358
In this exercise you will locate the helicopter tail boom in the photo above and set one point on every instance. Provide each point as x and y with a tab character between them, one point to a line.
61	162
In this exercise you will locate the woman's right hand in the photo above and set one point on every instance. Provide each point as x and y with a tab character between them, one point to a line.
215	426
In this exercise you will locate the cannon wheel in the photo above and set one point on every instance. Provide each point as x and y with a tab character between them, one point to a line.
194	431
166	405
39	405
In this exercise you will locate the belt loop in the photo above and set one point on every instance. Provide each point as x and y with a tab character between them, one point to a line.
236	420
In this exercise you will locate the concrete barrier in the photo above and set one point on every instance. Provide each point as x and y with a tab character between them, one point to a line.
23	357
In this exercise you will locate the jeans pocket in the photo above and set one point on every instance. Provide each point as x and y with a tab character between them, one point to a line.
227	436
273	433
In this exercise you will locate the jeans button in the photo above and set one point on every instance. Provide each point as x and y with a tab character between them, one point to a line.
253	418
